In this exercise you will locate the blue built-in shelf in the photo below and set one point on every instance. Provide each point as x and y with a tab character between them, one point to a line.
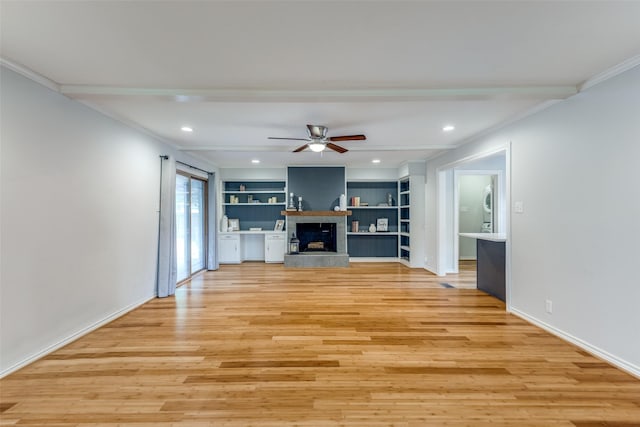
363	244
257	205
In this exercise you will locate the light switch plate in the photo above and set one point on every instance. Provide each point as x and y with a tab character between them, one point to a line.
518	207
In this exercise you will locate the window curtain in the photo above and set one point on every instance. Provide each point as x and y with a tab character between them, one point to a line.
212	226
167	262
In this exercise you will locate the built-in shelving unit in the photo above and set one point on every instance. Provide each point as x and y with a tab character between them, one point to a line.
405	219
255	204
381	198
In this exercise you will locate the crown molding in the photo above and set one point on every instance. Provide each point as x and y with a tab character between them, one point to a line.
626	65
32	75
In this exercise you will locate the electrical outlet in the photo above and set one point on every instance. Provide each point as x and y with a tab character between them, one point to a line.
548	306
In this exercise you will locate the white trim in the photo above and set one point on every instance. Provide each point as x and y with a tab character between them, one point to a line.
31	75
432	270
374	259
620	68
76	335
616	361
467	258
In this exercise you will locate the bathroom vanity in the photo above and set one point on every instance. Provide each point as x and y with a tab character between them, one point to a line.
490	262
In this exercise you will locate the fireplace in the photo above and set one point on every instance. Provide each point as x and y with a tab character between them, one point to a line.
316	237
326	243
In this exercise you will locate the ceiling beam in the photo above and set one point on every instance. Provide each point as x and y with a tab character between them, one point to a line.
344	95
279	148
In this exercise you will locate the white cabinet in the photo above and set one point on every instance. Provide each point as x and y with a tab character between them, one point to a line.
274	247
229	248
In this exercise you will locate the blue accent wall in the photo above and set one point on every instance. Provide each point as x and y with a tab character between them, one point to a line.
320	187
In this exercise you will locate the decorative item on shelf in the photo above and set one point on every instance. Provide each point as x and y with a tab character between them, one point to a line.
382	224
250	198
234	224
294	245
279	225
372	228
255	228
355	201
355	225
343	202
292	206
389	199
233	199
242	187
364	203
224	224
299	203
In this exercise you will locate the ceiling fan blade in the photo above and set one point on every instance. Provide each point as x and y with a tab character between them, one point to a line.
299	149
348	138
337	148
291	139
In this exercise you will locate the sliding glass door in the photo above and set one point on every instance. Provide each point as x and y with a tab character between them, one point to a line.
190	225
197	225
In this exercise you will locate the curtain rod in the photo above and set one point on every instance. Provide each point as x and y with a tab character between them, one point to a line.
165	157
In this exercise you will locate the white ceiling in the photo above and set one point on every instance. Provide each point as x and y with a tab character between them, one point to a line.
238	72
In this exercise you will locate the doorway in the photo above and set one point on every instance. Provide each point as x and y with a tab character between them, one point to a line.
494	166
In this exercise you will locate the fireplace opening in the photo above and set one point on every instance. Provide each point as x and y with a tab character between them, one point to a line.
316	237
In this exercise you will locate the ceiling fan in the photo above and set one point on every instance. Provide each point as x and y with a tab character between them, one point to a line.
318	140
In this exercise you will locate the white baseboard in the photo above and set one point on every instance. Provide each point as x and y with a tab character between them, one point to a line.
467	258
628	367
373	259
433	270
75	336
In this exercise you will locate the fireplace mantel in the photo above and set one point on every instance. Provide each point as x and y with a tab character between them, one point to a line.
315	213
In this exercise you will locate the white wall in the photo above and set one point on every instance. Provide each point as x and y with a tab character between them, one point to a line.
79	221
575	168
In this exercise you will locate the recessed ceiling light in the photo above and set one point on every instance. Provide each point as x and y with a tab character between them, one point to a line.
448	128
186	129
375	161
255	161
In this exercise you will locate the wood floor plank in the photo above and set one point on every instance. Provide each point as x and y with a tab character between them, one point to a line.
369	345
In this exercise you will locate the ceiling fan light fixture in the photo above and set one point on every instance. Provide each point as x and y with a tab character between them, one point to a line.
317	147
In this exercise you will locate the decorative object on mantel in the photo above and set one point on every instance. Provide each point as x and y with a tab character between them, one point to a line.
382	224
294	245
343	202
299	203
372	228
292	206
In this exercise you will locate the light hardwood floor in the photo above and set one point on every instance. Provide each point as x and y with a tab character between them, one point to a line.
370	345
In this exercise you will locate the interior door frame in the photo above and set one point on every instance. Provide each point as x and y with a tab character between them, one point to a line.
445	205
